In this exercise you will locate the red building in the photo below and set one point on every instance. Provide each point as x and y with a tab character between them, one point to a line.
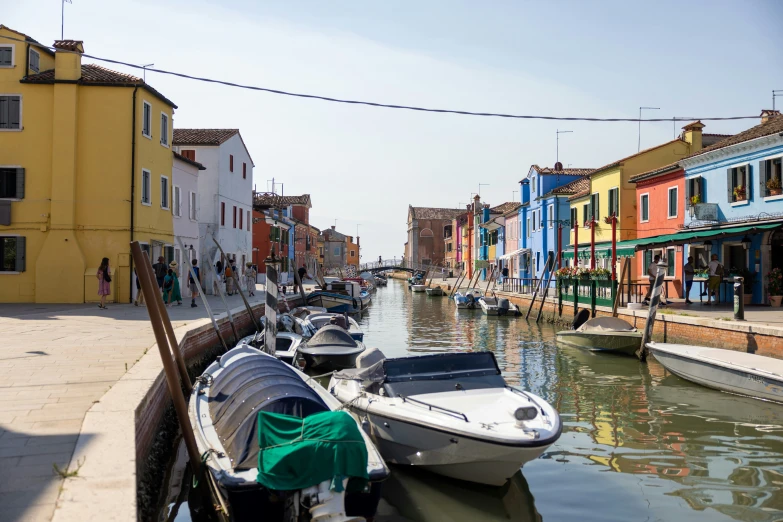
282	221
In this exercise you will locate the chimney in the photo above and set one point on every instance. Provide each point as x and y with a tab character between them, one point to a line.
768	114
333	227
68	59
691	133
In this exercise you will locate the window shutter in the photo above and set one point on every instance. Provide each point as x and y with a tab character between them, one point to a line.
20	183
749	182
21	254
763	168
4	102
14	111
730	184
689	191
699	186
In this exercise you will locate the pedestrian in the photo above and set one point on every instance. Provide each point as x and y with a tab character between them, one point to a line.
689	271
194	286
250	279
652	271
218	277
715	277
229	279
139	294
104	280
302	274
504	273
176	292
168	287
160	270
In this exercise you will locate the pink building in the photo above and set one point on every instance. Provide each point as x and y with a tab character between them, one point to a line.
512	235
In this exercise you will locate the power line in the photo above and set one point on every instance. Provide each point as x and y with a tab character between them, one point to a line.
379	104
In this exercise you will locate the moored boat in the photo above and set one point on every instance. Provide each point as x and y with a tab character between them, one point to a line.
451	413
316	321
603	334
331	348
341	296
286	344
419	288
434	290
742	373
468	299
498	306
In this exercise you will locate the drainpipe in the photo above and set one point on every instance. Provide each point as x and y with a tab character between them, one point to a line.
133	182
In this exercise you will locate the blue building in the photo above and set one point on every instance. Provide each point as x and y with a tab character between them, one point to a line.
733	193
492	235
545	193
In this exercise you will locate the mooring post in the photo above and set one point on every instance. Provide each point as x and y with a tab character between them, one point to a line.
270	310
654	302
550	262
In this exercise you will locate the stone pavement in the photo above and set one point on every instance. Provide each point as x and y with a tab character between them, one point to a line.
56	361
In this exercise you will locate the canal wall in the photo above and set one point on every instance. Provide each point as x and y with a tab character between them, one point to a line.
126	438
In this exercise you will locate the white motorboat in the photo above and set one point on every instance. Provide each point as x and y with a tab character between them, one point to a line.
726	370
312	321
238	405
419	288
603	334
498	306
341	296
468	299
435	290
286	344
331	348
451	413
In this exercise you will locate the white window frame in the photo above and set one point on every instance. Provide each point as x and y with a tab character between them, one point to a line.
13	56
669	201
528	228
550	216
192	208
168	195
148	176
21	110
33	51
641	207
144	105
176	197
533	186
772	158
165	117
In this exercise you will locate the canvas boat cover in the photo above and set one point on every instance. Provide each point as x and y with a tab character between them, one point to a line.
331	339
606	324
297	453
247	386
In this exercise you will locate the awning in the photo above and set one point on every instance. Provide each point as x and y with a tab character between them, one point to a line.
515	253
603	250
494	224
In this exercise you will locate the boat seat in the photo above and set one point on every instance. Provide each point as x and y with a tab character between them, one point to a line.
369	357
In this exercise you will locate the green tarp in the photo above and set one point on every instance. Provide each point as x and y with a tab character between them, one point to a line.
298	453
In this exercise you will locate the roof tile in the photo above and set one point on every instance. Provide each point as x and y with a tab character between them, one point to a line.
773	126
203	136
268	199
435	213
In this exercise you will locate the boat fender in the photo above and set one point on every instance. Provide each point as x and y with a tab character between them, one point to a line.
355	304
580	318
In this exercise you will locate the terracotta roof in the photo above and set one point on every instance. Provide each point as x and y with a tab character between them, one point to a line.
666	169
711	139
575	187
567	172
189	161
203	136
69	45
621	161
508	206
266	199
96	75
434	213
28	39
773	126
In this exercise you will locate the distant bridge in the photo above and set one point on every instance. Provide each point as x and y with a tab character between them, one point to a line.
402	265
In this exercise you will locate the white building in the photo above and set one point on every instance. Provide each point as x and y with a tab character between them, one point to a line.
225	194
184	210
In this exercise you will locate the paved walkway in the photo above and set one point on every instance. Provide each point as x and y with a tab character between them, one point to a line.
55	362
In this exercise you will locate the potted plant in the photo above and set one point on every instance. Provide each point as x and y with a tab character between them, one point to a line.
774	187
748	278
582	273
564	273
600	274
695	200
775	286
739	193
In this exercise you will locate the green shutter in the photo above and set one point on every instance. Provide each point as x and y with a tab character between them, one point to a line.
20	183
647	260
21	254
730	184
749	182
763	170
670	256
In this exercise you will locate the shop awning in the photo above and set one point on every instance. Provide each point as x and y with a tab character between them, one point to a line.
515	253
494	224
628	248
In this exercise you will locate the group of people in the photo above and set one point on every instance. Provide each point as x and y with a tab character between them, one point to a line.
225	275
167	278
714	277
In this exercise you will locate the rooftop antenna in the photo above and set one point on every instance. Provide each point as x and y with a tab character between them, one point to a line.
62	19
482	185
558	132
144	67
776	93
513	197
639	147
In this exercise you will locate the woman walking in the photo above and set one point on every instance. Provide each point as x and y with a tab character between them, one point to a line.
176	293
104	278
171	290
229	280
250	279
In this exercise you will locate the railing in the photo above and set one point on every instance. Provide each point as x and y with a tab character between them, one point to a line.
519	285
592	292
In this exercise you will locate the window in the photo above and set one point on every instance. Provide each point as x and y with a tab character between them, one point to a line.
235	216
644	208
244	170
353	253
594	206
164	192
337	251
192	206
673	196
164	129
190	154
670	262
551	216
177	201
146	187
222	213
614	202
693	191
146	120
449	247
10	112
13	254
248	221
6	55
528	227
35	61
738	183
231	162
771	177
11	182
586	213
574	217
533	186
241	215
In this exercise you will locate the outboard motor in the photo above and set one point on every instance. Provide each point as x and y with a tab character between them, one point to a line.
581	318
471	300
503	306
340	321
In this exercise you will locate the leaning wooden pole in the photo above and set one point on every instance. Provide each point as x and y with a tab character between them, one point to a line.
270	308
535	293
489	282
654	302
626	262
154	302
249	308
550	262
228	310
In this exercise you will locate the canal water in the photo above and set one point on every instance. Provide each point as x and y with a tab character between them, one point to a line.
638	444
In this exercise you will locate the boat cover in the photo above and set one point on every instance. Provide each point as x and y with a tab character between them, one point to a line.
297	453
251	384
606	324
331	339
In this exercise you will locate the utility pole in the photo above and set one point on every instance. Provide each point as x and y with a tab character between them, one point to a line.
775	94
640	123
557	152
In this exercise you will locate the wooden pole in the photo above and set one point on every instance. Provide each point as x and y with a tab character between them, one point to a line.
535	293
489	281
626	263
549	261
228	310
154	302
249	309
654	302
270	308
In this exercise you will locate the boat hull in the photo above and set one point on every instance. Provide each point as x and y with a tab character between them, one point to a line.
339	303
329	362
418	288
743	376
435	290
616	342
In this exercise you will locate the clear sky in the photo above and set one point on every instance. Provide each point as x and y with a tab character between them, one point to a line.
365	165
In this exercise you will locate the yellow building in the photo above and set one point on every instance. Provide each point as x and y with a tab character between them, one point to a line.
86	164
610	192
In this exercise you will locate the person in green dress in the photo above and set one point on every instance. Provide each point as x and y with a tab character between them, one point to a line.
171	290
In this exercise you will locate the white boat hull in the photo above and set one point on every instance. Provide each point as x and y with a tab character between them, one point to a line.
419	288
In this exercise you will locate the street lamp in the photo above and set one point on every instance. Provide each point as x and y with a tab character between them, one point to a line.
640	123
746	242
